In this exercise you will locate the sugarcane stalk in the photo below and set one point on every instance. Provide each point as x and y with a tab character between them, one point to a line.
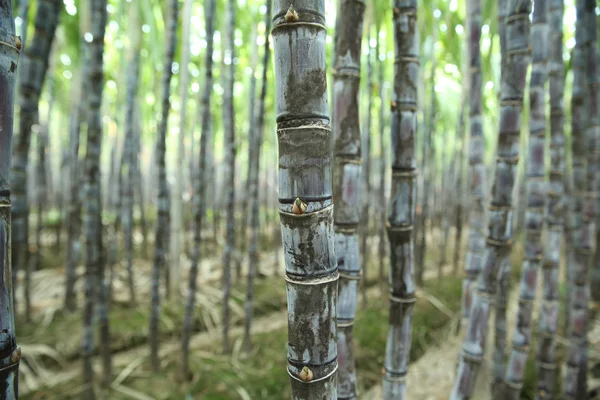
200	186
34	64
498	242
94	286
535	199
161	242
582	213
129	159
305	197
477	175
10	354
347	183
555	209
230	155
254	183
401	212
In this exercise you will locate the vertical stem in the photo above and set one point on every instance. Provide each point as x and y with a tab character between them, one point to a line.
347	185
458	213
34	64
305	197
161	241
10	354
584	145
535	198
94	268
178	230
555	209
497	249
504	272
78	117
230	150
477	173
383	164
401	213
200	185
366	170
128	169
254	182
245	200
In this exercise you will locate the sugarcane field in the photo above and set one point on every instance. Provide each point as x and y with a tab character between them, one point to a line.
299	199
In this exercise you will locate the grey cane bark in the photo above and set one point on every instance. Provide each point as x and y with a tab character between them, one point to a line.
138	184
347	184
243	230
10	354
382	242
401	213
365	199
94	286
501	300
33	71
428	159
177	227
305	197
230	150
477	175
254	189
161	241
594	126
582	205
200	186
555	209
535	199
78	116
128	168
497	248
458	211
41	188
443	204
114	205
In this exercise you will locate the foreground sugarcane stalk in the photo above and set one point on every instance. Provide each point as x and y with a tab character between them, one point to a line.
401	212
534	215
347	185
514	75
10	354
305	197
555	208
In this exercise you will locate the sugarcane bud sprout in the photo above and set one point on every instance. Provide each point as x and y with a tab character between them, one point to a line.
291	15
299	207
306	374
16	355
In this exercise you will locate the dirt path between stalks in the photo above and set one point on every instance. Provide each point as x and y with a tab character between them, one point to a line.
125	360
431	377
